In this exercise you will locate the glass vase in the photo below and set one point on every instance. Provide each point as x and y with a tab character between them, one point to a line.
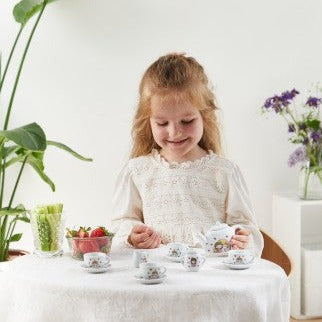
310	182
48	232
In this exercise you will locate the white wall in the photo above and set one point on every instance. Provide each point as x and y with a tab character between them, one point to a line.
81	77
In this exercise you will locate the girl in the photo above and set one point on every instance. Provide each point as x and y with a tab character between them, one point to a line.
176	182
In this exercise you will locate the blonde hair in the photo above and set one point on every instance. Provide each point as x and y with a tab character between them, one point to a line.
177	77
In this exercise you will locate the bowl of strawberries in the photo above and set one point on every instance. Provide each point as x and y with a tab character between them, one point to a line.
84	240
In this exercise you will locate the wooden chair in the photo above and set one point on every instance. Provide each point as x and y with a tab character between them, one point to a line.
274	253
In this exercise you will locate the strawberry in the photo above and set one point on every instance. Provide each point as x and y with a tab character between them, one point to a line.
71	233
100	232
88	246
83	232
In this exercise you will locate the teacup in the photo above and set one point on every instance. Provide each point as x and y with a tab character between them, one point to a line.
240	256
96	259
192	260
152	270
140	256
176	249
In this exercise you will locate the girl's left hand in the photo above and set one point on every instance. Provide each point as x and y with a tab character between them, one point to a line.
240	239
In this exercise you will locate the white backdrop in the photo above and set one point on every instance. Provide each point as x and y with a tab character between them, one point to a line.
81	77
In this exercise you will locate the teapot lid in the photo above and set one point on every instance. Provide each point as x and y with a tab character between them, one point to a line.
219	226
191	251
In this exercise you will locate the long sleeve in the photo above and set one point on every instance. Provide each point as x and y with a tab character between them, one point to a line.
239	209
127	207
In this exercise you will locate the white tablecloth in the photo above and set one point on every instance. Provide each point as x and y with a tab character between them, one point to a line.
57	289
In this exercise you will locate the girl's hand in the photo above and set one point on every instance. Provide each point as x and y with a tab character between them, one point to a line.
143	236
240	239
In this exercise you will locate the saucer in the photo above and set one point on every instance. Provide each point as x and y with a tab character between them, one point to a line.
95	270
211	254
237	266
150	281
173	258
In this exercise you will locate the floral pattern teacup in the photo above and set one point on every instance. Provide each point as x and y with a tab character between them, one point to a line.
240	256
176	249
96	259
152	270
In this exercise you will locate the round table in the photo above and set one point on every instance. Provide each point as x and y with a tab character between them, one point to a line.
57	289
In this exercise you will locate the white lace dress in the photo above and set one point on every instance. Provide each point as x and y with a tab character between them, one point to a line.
177	199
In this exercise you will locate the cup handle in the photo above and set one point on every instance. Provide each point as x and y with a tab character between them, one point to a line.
162	270
202	260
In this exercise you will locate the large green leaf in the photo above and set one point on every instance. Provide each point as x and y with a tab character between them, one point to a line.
42	174
15	237
13	161
25	9
66	148
36	161
30	137
24	218
11	212
313	124
7	151
19	151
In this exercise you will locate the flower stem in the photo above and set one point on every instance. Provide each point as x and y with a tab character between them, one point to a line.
306	181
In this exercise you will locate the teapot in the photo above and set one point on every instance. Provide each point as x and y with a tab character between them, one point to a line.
216	241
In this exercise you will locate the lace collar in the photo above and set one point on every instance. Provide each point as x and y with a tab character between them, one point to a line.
181	165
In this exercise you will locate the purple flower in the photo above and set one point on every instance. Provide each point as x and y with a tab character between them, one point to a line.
302	126
305	141
277	103
288	96
294	92
315	136
313	101
291	128
268	103
299	155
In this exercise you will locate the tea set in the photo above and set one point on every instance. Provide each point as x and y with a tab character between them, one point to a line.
215	242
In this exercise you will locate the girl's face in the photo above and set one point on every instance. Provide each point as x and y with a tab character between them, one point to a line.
177	128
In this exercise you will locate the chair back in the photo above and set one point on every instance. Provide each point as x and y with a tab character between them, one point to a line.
274	253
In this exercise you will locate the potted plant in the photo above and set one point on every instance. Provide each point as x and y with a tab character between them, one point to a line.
26	144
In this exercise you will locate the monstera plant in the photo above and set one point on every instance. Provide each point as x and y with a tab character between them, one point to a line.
25	145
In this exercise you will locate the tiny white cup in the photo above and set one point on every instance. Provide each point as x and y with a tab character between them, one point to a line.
139	256
152	270
96	259
240	256
176	249
192	260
